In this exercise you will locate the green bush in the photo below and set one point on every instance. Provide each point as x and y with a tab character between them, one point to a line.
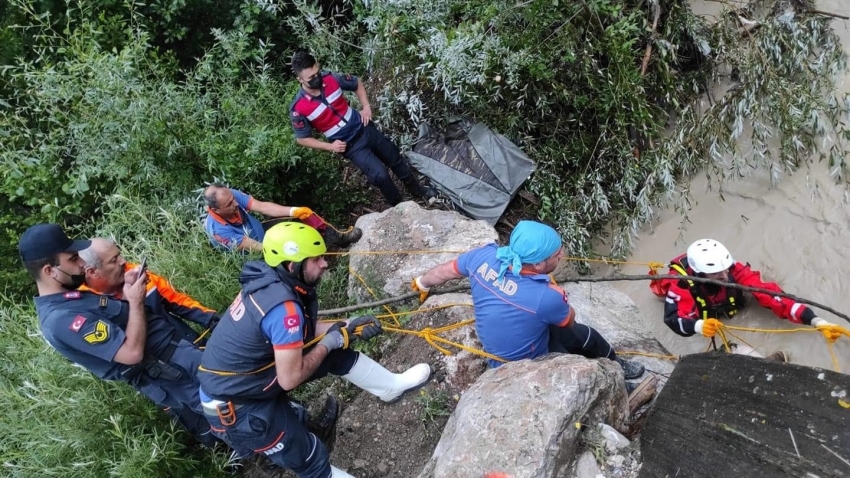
102	121
564	81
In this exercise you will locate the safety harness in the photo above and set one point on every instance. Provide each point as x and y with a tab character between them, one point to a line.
730	305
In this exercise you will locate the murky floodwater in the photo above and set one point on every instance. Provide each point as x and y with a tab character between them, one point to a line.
797	234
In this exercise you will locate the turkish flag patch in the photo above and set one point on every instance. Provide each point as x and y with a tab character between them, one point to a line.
77	324
291	321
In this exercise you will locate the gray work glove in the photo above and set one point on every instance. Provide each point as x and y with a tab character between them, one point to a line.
337	337
371	327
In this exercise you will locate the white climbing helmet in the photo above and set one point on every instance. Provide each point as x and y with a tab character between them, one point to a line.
709	256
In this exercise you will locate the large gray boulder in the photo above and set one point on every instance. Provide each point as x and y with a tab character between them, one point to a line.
618	319
520	419
408	227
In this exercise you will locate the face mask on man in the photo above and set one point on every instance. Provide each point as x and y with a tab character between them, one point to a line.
76	279
315	83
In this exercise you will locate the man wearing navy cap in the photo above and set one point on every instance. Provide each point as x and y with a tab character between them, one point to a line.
520	312
114	339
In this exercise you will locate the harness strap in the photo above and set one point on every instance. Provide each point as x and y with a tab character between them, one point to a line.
702	303
230	374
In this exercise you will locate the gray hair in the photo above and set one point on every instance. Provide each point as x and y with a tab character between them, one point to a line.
92	254
211	195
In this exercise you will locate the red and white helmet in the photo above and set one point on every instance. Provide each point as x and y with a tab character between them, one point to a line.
709	256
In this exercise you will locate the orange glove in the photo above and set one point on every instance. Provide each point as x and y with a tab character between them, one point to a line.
301	213
418	287
708	327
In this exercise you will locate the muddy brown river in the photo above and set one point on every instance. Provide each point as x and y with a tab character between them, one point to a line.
796	234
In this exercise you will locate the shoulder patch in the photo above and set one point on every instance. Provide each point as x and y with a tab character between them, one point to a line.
77	324
72	295
292	323
99	334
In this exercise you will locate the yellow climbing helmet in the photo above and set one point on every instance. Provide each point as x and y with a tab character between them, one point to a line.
293	242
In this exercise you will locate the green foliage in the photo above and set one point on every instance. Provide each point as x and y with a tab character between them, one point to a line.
564	81
101	121
435	405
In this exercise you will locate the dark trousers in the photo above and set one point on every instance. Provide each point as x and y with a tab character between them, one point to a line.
579	339
373	153
179	398
273	427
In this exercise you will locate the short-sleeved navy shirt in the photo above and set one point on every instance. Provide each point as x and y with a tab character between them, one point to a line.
512	314
75	324
317	107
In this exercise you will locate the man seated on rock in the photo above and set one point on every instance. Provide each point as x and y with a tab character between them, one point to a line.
520	312
693	308
230	226
257	355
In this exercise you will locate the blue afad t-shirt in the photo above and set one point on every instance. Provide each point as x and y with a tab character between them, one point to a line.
512	315
229	235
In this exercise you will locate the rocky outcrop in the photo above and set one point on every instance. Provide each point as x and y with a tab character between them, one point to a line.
733	415
518	419
408	227
618	319
521	418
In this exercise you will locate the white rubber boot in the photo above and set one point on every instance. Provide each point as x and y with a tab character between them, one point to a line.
337	473
389	387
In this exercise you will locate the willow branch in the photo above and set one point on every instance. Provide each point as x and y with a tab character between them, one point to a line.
610	278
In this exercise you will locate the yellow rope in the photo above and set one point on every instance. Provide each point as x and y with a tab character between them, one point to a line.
833	357
645	354
430	335
362	281
830	336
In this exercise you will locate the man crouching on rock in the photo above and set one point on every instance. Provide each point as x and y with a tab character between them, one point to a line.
524	314
256	355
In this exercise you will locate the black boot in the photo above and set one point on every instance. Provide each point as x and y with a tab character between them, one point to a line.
324	425
427	193
631	369
341	241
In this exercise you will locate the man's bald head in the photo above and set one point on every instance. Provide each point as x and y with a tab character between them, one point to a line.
212	195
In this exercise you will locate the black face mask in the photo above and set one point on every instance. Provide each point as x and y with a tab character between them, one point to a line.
76	280
315	83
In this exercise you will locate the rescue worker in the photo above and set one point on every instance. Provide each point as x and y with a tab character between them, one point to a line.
115	339
105	267
256	355
520	312
693	308
321	105
230	226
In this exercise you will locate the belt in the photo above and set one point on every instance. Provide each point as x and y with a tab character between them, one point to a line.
159	365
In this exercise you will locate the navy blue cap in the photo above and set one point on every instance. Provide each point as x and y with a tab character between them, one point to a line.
46	240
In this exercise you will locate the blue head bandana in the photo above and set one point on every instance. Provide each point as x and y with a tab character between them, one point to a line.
531	242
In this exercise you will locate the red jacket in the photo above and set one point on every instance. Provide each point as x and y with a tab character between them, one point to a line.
684	301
